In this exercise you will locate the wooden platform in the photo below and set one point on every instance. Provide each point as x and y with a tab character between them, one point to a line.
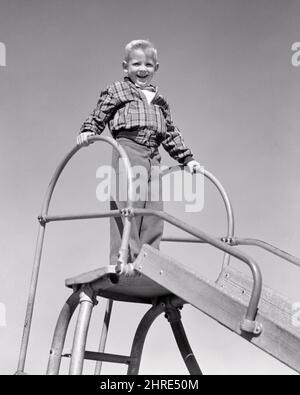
136	289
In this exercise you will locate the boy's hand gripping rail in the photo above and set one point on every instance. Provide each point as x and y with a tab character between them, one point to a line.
43	219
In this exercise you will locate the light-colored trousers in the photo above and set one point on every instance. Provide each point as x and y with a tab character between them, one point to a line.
147	187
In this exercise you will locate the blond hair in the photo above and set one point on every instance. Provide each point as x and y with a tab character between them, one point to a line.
140	44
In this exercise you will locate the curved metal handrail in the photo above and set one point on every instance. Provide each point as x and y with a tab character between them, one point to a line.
266	246
256	273
226	200
63	163
41	234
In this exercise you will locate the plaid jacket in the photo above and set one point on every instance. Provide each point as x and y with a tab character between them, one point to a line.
126	111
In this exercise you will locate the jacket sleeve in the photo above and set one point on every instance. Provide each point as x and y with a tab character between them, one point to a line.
103	112
173	141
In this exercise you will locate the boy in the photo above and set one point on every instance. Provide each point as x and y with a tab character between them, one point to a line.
139	118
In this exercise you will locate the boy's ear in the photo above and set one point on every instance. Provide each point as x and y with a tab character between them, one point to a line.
156	66
125	66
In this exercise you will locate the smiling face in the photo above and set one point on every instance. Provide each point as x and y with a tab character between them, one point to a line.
140	67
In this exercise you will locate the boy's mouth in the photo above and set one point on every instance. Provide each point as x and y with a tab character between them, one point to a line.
142	77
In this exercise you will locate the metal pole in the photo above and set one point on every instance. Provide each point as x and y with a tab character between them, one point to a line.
74	217
60	334
185	348
235	241
104	334
140	336
81	330
174	317
31	299
122	266
268	247
229	210
184	239
104	357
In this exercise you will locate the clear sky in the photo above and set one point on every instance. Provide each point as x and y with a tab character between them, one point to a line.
225	67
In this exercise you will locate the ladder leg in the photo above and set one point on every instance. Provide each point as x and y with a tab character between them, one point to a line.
104	334
60	334
31	299
139	338
174	318
87	301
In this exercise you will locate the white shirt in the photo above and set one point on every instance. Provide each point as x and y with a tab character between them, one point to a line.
149	95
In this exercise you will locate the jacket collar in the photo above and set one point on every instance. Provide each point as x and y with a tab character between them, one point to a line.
150	88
